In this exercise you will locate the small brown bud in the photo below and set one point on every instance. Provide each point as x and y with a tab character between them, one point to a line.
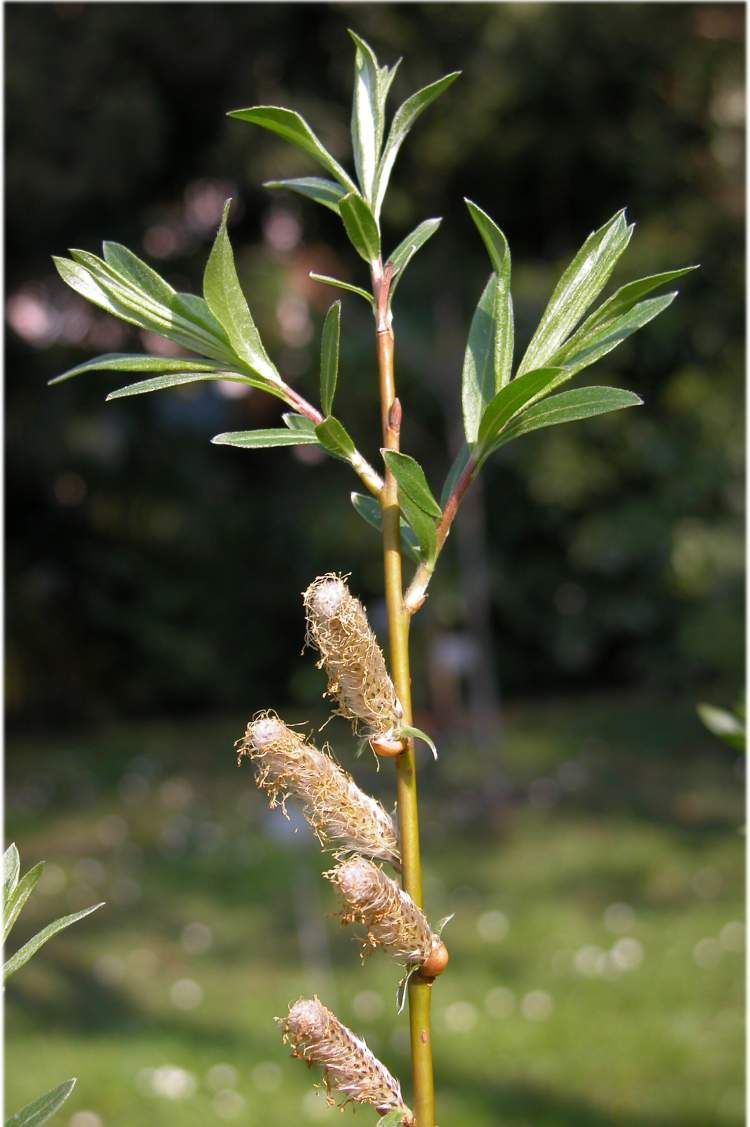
436	961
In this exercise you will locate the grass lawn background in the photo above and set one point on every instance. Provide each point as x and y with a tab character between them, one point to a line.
597	949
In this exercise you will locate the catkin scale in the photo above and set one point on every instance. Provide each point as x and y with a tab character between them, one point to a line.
358	680
393	920
318	1037
339	812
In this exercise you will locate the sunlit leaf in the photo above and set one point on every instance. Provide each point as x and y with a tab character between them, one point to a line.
586	347
516	395
182	379
338	284
371	85
360	227
255	439
133	268
568	407
133	362
410	732
579	286
326	192
42	1108
725	725
11	869
623	300
293	128
22	956
13	904
334	438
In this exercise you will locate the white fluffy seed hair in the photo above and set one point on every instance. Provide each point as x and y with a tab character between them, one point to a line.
318	1037
393	920
358	680
339	812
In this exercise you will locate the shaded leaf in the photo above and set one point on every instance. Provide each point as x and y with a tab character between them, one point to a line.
326	192
568	407
42	1108
499	252
579	286
14	903
403	120
458	466
516	395
223	293
293	128
255	439
299	423
334	438
22	956
481	359
360	227
329	356
326	281
415	500
369	509
405	251
133	362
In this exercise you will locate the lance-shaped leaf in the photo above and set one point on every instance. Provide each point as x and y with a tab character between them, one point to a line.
360	227
569	407
326	192
405	251
578	287
371	85
223	293
586	347
623	300
369	509
293	128
11	870
13	904
142	276
333	437
482	359
415	499
299	422
22	956
256	439
183	379
519	393
329	356
133	362
326	280
42	1108
403	120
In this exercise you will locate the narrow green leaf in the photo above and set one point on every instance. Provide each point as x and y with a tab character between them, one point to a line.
516	395
412	481
22	956
410	732
142	276
299	423
11	869
133	362
369	509
293	128
223	293
334	438
182	379
579	286
18	897
568	407
338	284
584	349
81	280
405	251
403	120
329	356
195	309
724	725
360	226
481	359
325	192
499	252
255	439
460	463
415	499
368	116
42	1108
623	300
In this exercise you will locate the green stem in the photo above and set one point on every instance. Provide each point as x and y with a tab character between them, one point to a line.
399	620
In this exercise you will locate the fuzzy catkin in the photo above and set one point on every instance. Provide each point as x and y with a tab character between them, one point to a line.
392	919
318	1037
358	680
338	811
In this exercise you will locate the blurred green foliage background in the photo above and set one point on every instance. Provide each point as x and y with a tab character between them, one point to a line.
149	575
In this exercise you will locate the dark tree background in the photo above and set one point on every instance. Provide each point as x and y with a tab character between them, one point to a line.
148	571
